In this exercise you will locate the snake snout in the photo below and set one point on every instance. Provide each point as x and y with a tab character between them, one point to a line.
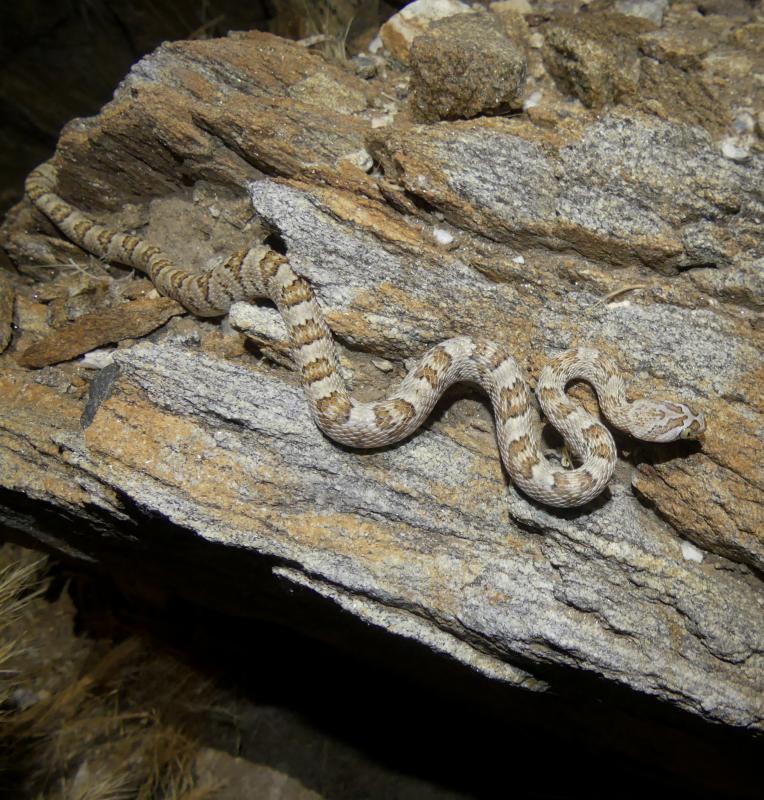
695	426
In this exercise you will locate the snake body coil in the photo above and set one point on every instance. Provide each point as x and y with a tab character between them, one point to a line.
261	272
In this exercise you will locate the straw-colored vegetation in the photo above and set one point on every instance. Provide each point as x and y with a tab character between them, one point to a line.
119	726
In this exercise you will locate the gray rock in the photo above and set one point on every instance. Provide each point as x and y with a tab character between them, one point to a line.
647	9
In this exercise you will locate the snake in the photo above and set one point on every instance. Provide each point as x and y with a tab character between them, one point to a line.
260	272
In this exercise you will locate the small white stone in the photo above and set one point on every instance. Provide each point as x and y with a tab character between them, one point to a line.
519	260
98	359
375	45
260	321
360	158
744	122
732	150
442	236
691	553
413	19
521	6
214	212
532	101
647	9
383	121
383	364
536	40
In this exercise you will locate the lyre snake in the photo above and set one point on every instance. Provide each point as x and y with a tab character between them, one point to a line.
260	272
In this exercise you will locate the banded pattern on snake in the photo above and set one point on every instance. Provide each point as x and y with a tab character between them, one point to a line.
260	272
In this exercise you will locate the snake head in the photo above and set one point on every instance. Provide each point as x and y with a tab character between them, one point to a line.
666	421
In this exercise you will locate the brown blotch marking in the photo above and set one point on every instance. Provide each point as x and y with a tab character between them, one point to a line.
150	251
335	407
521	456
234	262
673	407
549	395
298	291
104	239
177	277
232	266
428	374
603	451
317	370
307	333
203	284
269	266
392	414
695	428
495	357
58	212
34	191
556	399
513	401
441	359
129	243
81	228
572	482
598	442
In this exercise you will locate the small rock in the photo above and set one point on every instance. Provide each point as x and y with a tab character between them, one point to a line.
520	6
691	553
402	28
383	364
727	8
127	321
744	122
98	359
383	121
647	9
365	67
360	159
442	236
532	101
736	148
465	66
594	57
536	40
258	322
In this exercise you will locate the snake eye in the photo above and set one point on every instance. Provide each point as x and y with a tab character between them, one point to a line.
693	430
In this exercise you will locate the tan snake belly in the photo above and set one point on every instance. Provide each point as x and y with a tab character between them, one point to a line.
260	272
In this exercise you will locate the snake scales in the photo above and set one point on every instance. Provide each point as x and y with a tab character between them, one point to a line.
261	272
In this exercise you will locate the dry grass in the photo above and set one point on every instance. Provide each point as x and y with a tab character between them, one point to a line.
122	729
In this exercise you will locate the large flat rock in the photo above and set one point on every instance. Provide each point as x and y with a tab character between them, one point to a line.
619	230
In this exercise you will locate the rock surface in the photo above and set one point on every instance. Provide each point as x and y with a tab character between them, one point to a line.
413	19
627	230
463	66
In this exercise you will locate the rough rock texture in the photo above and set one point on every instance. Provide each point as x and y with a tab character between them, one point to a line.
6	311
413	19
626	231
128	321
463	66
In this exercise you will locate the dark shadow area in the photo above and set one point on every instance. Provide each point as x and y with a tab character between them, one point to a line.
308	672
62	59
